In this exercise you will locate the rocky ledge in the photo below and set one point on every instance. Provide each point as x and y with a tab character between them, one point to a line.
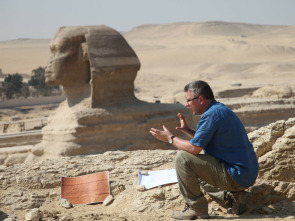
31	191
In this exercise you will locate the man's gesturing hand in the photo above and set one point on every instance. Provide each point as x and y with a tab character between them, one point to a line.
183	125
162	135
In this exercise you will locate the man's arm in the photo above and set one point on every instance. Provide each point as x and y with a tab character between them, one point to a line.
184	126
181	144
185	145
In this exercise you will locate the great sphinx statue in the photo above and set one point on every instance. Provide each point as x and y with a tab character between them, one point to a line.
93	61
96	68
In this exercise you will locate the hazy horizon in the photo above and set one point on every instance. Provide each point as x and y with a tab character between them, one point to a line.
35	19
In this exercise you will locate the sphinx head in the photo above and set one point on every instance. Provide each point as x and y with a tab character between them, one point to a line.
97	56
69	63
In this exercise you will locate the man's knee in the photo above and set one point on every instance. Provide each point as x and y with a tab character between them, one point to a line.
181	158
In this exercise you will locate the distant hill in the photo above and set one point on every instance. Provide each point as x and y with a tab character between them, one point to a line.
219	52
23	55
186	29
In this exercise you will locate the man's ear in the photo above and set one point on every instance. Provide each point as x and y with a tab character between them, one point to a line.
201	99
84	51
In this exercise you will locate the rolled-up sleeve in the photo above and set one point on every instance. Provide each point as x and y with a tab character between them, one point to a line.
206	128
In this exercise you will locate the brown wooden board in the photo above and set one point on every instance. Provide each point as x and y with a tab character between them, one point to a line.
86	189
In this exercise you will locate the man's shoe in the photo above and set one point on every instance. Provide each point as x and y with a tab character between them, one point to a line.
189	214
237	202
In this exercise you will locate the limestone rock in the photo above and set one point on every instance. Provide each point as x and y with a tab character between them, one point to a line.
159	194
266	210
10	219
263	138
16	158
33	215
275	147
65	203
36	185
273	92
278	163
108	200
140	188
101	112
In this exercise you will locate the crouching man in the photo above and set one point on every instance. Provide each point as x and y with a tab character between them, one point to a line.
228	165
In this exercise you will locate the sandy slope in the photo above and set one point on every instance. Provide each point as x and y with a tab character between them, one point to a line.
174	54
23	55
221	53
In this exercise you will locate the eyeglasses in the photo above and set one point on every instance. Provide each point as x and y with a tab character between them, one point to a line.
195	98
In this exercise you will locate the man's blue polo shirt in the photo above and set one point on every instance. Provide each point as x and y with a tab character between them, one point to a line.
221	134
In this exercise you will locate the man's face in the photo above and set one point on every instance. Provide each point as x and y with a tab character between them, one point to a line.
66	66
193	103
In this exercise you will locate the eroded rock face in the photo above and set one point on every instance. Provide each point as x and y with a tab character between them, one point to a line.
275	149
278	164
273	92
264	138
37	185
80	130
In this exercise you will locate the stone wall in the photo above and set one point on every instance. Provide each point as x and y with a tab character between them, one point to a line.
31	101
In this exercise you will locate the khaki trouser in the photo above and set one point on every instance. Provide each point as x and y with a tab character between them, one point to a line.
203	170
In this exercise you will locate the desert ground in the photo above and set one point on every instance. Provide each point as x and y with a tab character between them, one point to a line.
250	67
171	55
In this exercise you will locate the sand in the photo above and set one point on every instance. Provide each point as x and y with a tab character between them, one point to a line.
223	54
172	55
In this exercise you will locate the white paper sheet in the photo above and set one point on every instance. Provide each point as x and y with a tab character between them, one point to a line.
157	178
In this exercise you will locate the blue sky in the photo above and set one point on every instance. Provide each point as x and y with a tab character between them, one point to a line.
42	18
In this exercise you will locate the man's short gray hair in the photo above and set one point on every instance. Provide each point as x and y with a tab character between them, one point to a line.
200	88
